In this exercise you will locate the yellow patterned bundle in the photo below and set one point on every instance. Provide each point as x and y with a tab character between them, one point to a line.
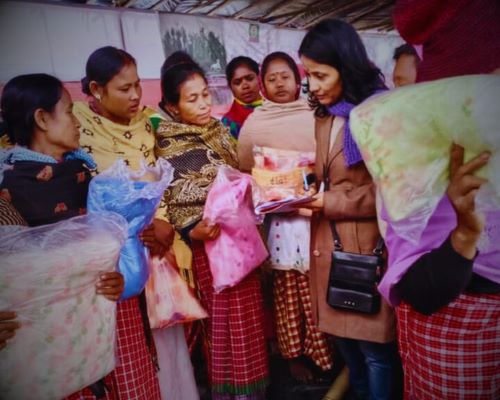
405	137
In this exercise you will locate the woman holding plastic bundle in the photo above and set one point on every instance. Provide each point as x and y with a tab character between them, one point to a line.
45	177
284	121
112	127
182	337
340	76
242	74
446	286
196	144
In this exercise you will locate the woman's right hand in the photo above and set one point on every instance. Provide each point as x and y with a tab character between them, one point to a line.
7	327
203	231
111	285
462	191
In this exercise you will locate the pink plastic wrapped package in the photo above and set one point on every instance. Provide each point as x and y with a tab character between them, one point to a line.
239	249
168	297
47	276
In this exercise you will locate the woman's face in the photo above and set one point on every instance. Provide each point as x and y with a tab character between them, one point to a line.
61	129
121	96
245	85
280	83
195	102
324	81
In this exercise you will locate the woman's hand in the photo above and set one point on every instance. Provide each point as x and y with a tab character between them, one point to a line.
203	231
110	285
8	327
158	237
316	204
462	191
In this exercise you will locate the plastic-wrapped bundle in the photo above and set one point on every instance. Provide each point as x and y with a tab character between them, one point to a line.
281	173
405	137
48	276
239	249
135	196
168	296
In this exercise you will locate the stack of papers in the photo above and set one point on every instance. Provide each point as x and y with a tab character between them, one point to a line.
287	204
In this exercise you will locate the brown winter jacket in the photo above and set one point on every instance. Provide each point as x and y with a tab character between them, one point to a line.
350	201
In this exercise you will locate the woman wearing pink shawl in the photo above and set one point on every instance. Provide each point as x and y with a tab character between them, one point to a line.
286	122
447	286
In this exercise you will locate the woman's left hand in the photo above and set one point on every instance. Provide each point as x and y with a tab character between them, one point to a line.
110	285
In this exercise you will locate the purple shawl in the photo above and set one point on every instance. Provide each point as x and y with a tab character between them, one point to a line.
402	253
343	108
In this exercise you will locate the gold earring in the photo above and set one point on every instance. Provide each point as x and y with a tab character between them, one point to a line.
98	97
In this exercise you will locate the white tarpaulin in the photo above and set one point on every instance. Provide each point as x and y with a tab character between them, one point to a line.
141	36
53	39
58	39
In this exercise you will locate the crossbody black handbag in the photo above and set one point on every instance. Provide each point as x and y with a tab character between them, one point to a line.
353	280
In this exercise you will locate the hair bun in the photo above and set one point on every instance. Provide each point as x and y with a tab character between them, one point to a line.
85	85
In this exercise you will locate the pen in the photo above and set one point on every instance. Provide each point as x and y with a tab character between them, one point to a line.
304	177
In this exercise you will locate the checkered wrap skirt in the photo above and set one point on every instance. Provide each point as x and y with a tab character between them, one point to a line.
134	377
454	354
238	361
295	330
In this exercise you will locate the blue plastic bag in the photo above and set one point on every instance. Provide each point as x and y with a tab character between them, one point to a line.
135	195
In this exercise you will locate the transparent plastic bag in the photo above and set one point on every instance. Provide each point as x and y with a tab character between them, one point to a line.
405	137
281	174
239	249
48	276
135	195
169	299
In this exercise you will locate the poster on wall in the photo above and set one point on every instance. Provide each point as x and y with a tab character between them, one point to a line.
248	39
253	33
202	39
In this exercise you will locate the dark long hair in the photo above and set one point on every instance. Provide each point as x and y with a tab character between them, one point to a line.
21	97
176	69
103	64
337	44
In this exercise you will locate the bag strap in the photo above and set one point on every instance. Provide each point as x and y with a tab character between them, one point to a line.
336	237
326	126
326	178
338	244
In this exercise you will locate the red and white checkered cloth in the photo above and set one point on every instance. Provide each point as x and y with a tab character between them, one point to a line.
238	362
295	330
453	354
134	377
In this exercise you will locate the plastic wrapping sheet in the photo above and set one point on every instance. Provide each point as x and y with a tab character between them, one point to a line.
239	248
405	137
135	195
281	173
48	276
169	299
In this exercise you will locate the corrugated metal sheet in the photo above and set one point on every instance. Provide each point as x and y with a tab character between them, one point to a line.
299	14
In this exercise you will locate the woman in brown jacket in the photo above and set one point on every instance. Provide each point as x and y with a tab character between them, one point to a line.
340	76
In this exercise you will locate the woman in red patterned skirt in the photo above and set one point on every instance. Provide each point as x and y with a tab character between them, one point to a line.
196	144
46	141
448	284
113	126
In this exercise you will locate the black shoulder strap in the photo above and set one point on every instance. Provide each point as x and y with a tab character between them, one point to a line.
338	244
